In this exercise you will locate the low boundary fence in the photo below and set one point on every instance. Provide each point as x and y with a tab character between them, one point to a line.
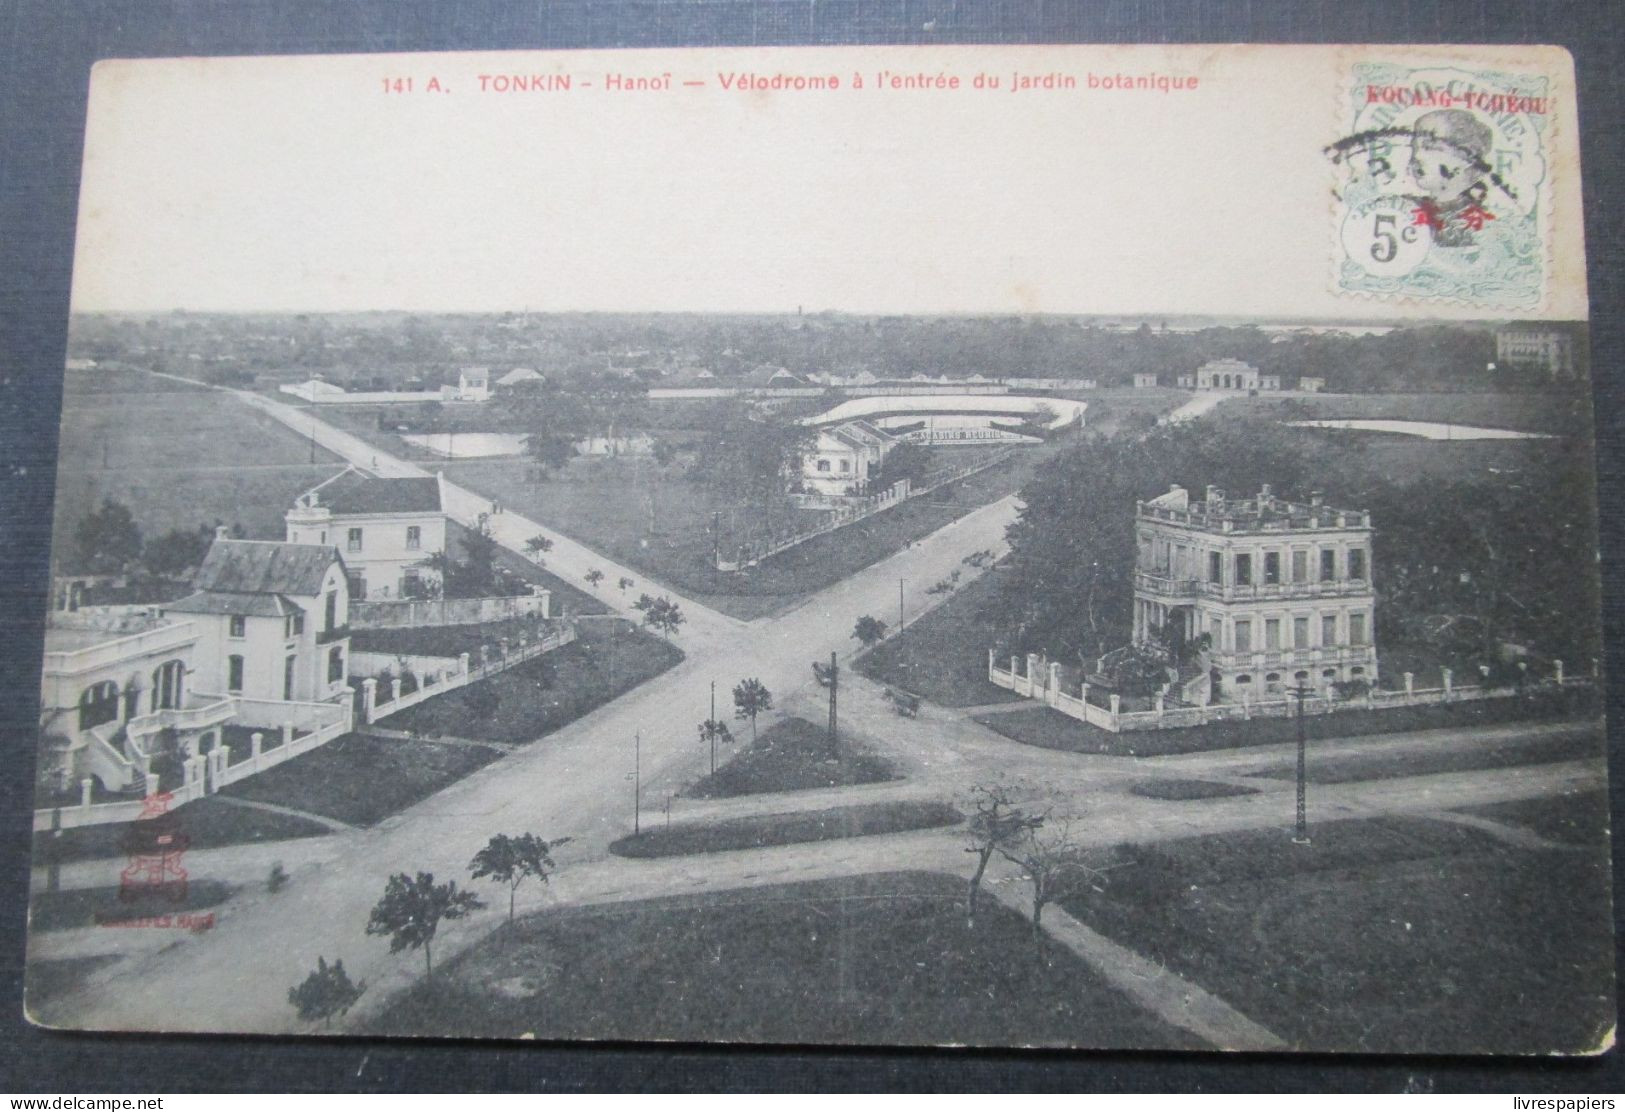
1041	681
296	727
438	674
749	555
400	613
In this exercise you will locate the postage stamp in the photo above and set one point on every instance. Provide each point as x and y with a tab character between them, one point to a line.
1442	184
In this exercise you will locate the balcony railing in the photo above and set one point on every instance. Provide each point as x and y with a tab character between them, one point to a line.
1182	588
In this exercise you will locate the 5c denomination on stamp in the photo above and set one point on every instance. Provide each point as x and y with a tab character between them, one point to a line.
1441	182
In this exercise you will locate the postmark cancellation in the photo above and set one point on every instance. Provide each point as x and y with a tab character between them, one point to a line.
1443	185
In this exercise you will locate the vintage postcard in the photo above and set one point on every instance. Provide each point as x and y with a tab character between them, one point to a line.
1003	546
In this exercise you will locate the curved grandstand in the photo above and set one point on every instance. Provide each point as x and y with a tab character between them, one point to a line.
954	418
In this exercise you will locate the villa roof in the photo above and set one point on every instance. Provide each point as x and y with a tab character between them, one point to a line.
356	492
264	567
235	602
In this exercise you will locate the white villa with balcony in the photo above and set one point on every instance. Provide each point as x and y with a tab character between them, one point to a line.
134	701
1281	590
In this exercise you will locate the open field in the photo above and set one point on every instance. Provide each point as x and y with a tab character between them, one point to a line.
1048	728
943	656
1404	935
884	958
1580	818
755	831
1388	766
207	822
659	521
180	458
1566	413
360	779
537	697
791	755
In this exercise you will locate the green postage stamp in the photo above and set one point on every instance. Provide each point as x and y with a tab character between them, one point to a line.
1443	183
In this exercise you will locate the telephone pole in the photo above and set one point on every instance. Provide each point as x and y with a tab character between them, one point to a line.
1301	837
899	606
637	779
834	684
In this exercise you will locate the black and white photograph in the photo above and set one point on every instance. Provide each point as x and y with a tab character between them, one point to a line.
1006	547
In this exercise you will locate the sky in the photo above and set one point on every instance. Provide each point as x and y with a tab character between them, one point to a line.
320	184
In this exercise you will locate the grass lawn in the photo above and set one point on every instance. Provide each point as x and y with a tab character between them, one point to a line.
1173	790
873	959
1578	818
755	831
71	908
1050	729
791	755
181	458
1563	413
609	505
1398	935
360	779
1500	754
207	822
943	656
537	697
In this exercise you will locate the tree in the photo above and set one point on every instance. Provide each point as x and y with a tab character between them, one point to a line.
536	546
905	461
664	615
751	697
996	820
512	860
594	577
711	732
107	538
411	909
625	584
870	630
1054	863
178	551
327	992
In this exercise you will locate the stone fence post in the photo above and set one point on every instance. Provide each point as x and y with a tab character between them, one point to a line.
1445	672
1054	681
1410	683
1557	672
369	698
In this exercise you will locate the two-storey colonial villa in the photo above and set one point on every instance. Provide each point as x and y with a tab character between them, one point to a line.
263	642
386	529
1282	590
272	619
844	459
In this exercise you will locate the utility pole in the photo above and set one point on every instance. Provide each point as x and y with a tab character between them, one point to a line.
1301	837
834	684
637	779
899	606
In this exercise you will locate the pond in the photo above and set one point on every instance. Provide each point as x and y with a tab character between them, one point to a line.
468	445
1431	430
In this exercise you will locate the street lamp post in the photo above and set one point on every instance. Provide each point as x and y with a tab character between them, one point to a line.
1301	837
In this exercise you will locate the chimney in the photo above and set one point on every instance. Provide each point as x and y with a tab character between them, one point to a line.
1316	498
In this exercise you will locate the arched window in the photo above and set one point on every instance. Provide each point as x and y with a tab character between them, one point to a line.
1244	679
1300	676
1328	673
1273	677
1357	670
167	679
98	704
